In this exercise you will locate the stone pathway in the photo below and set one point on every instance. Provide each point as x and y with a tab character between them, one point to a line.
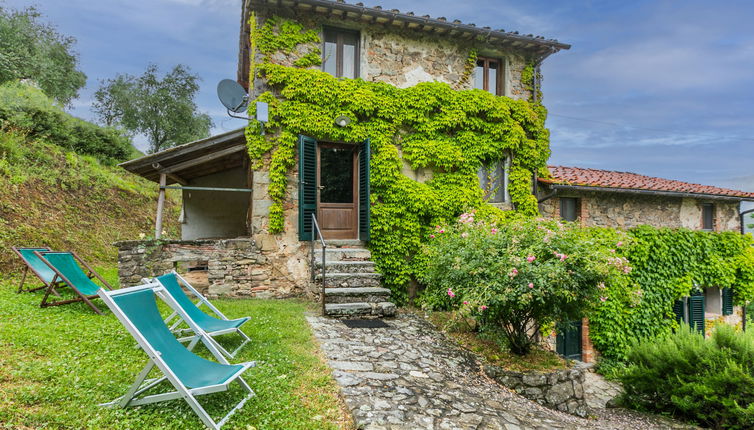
598	391
409	376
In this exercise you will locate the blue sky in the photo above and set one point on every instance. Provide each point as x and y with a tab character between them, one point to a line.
663	88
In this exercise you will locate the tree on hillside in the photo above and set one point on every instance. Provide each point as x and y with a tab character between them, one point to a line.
33	50
162	109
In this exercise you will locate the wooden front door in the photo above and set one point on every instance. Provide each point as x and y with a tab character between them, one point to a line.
337	191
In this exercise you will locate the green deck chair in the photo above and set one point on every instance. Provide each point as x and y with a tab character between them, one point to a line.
213	326
67	267
190	375
38	267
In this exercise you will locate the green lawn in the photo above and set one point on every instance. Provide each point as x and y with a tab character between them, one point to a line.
57	364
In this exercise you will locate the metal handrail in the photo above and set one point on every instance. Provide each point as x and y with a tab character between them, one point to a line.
316	232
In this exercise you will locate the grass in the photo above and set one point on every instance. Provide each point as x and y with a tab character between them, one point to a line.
490	346
57	364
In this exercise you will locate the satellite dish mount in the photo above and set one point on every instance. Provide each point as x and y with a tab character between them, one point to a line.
233	96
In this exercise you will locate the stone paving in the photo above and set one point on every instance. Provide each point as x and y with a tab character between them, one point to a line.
410	376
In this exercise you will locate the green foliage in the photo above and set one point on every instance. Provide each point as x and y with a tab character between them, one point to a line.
429	125
516	276
667	265
710	381
30	49
27	108
49	196
161	108
57	364
527	78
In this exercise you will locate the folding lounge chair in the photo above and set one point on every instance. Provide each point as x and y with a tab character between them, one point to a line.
67	267
190	375
211	325
37	267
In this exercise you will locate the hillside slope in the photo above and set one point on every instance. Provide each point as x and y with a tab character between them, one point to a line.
50	196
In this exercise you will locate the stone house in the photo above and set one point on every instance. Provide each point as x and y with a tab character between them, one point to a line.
605	198
228	243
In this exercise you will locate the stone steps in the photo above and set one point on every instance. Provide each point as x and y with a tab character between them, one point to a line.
343	254
357	295
360	310
353	288
356	266
351	280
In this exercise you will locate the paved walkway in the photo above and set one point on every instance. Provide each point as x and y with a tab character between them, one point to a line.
410	376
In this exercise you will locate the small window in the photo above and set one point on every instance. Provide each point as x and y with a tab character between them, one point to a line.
493	180
340	56
708	217
569	208
488	75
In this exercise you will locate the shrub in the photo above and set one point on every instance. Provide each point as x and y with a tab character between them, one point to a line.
27	108
710	381
517	276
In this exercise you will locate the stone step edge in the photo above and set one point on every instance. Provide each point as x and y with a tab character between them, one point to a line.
356	290
356	307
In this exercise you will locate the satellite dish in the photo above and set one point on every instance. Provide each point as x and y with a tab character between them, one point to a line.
232	95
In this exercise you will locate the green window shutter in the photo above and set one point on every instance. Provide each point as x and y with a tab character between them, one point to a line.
678	311
696	313
727	301
307	185
365	154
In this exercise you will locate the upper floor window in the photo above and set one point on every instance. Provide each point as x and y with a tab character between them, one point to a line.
493	180
488	75
569	208
708	216
341	53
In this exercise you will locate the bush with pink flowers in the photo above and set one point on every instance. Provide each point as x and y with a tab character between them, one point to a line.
519	276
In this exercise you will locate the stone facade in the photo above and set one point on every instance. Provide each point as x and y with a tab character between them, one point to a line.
562	390
619	210
227	268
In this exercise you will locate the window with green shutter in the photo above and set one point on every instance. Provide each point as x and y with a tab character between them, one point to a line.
365	155
679	311
696	313
727	301
307	185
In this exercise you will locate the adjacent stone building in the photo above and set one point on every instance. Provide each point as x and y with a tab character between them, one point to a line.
605	198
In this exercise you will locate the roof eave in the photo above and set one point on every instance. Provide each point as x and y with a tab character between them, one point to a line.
665	193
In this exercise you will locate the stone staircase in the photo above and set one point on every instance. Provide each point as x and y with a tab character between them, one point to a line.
353	288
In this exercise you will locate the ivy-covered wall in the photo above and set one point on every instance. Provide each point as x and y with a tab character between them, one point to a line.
430	125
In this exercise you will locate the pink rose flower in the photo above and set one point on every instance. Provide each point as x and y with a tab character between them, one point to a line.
531	258
619	244
465	302
513	273
493	231
563	257
531	285
431	236
451	293
442	230
604	299
483	307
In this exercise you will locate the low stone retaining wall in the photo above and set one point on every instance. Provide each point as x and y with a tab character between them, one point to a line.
562	390
228	268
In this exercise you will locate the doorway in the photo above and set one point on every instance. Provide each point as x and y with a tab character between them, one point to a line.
337	190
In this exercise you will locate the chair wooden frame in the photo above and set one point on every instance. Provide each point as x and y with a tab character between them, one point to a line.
28	267
141	384
61	280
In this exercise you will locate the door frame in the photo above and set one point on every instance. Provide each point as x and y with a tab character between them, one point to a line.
354	184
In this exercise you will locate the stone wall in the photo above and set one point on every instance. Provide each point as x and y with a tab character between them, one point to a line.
231	267
562	390
405	58
630	210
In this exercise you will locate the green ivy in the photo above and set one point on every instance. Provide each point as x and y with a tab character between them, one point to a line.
429	126
666	265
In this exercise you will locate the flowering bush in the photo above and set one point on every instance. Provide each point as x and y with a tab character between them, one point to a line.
518	276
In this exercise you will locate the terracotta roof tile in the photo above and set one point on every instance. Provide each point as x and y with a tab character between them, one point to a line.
631	181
